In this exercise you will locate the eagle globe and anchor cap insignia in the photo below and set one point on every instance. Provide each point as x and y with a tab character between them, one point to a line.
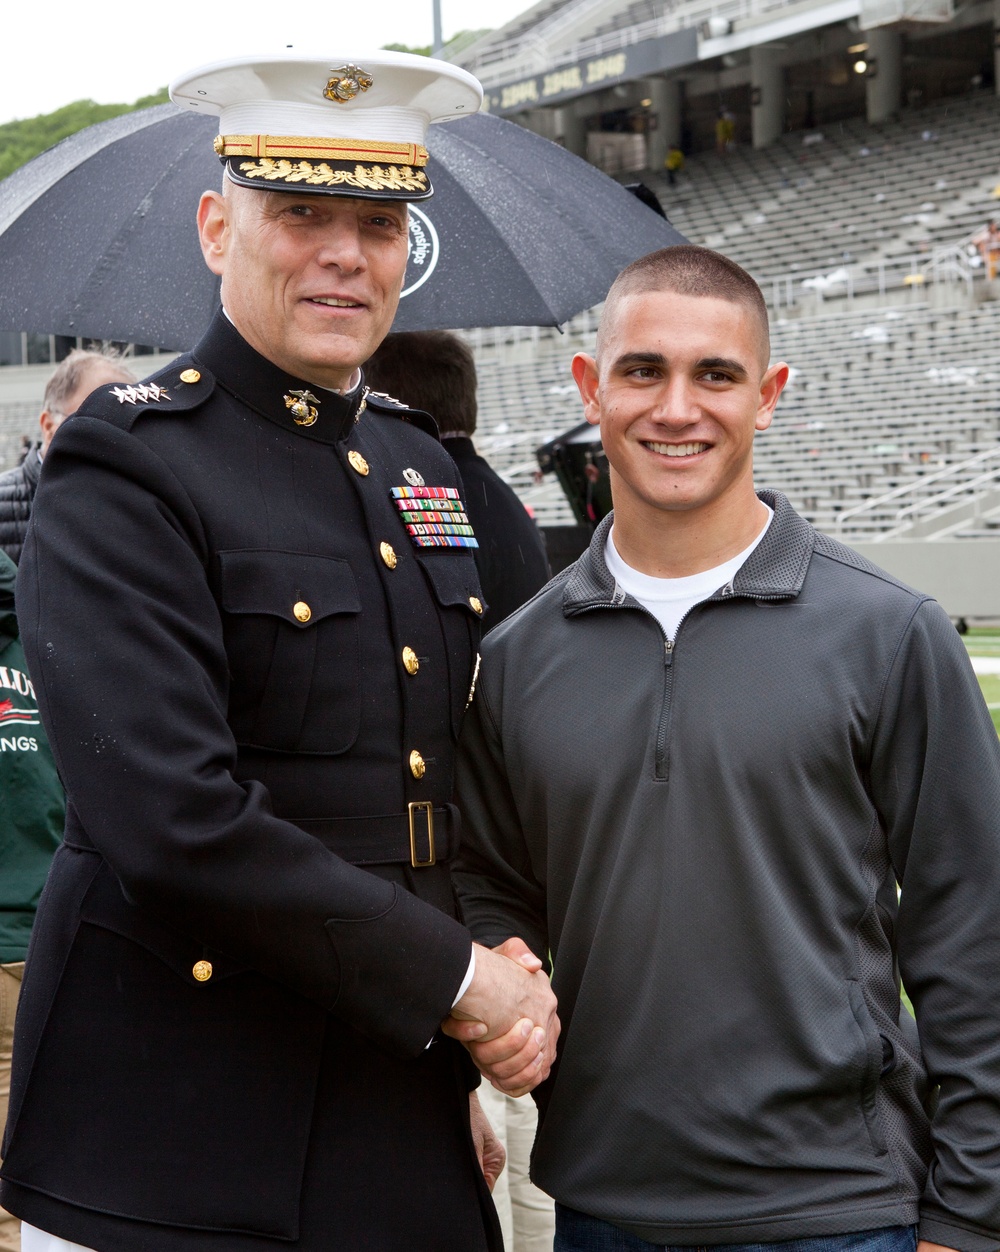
346	83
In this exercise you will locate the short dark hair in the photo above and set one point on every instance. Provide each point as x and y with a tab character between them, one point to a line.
692	271
70	373
432	370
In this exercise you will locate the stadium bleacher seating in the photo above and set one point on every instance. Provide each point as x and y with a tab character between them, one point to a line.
884	399
879	398
634	13
860	194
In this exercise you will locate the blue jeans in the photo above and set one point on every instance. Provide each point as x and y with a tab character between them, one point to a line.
576	1232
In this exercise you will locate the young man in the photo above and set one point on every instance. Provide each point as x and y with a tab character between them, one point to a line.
696	767
253	674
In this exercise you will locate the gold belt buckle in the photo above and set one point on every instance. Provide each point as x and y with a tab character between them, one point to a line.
427	808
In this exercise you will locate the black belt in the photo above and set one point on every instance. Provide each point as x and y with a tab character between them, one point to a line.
421	837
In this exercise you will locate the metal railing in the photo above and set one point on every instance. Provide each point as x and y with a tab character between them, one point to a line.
888	515
948	263
566	18
528	56
487	339
882	12
678	16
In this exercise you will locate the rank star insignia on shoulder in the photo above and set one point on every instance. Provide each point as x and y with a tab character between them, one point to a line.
140	393
386	398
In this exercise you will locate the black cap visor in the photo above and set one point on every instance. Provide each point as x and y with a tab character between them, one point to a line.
331	178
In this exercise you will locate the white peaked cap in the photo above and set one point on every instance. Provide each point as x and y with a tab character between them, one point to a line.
347	124
283	94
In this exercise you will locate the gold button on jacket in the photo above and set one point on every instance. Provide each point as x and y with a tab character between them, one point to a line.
202	970
476	603
410	662
388	554
302	611
358	462
417	766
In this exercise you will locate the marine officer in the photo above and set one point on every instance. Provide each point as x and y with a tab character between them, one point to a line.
252	613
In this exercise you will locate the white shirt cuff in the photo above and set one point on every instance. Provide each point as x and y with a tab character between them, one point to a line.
470	973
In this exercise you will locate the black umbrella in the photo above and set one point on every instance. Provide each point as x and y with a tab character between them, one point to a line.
97	235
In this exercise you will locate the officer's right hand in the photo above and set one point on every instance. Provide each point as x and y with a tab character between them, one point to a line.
507	1018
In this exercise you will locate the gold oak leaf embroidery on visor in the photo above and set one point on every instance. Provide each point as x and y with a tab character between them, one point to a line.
367	178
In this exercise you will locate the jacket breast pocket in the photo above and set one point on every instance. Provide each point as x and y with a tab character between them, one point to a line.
291	627
455	582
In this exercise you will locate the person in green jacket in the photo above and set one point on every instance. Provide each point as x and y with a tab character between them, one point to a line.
32	810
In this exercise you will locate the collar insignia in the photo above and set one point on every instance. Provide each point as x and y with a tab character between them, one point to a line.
346	83
141	393
302	405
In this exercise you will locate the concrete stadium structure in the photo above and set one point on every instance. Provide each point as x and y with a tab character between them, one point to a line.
574	70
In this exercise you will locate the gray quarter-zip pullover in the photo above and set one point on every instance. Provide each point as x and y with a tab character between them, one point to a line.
708	838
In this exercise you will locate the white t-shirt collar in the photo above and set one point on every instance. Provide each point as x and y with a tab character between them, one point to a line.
671	599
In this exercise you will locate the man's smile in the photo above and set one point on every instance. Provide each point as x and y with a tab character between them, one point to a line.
675	449
336	302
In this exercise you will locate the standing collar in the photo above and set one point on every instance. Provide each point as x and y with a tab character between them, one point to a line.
458	445
776	569
269	391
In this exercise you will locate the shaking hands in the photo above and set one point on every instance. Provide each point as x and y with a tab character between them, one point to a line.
507	1018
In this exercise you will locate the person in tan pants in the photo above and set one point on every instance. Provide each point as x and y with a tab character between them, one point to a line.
32	809
527	1214
10	985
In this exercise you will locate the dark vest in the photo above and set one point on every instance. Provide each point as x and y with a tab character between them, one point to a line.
511	554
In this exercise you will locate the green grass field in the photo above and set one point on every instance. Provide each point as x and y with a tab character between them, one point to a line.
985	641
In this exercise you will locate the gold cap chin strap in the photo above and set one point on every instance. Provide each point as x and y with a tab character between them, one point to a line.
302	147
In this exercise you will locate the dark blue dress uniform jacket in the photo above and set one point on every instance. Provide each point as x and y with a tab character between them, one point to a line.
236	968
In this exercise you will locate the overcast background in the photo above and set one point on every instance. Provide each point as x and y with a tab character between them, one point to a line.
119	50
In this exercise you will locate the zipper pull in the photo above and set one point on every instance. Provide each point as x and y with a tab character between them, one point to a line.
668	650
